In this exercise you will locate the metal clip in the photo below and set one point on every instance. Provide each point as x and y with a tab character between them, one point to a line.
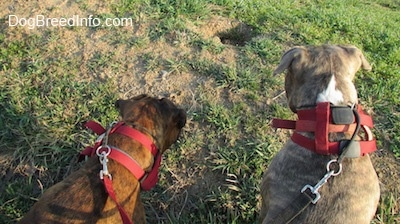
329	174
103	160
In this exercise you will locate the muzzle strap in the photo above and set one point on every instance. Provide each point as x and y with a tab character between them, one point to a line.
324	119
322	127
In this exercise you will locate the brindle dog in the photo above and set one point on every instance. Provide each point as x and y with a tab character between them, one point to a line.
81	197
320	74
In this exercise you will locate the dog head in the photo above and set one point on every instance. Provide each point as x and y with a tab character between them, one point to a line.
159	117
321	74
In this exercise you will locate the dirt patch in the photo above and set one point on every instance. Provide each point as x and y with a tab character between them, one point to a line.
388	169
224	30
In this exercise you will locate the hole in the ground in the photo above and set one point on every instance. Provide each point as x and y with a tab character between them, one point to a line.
238	35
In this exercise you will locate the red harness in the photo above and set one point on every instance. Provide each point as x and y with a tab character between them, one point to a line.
324	119
105	151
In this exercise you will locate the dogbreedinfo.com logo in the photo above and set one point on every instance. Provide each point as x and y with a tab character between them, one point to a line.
73	21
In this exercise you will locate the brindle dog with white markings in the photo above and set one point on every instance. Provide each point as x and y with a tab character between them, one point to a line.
320	74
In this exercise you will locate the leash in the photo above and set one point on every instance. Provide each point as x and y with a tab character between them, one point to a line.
322	120
309	195
107	181
105	151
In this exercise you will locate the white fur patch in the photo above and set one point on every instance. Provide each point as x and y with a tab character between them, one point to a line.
331	94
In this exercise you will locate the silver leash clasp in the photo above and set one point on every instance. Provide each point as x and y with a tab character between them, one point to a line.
103	157
104	151
323	180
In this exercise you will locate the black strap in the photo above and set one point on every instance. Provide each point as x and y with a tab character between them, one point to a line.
353	137
342	114
295	208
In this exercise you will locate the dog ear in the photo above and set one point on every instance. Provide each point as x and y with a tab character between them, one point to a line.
354	51
287	59
180	118
364	63
120	103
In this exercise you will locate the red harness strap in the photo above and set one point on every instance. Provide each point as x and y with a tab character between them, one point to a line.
322	116
319	120
152	177
147	182
110	190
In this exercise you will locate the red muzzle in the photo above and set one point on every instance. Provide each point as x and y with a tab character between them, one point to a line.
325	119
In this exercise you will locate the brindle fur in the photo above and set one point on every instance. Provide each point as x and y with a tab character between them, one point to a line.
351	197
81	197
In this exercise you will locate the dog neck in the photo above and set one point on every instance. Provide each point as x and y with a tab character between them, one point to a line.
325	129
146	131
130	147
335	97
331	94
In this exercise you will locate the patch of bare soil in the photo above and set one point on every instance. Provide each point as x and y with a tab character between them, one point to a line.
388	169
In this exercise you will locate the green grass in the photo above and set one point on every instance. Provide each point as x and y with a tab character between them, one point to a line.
45	97
41	118
388	210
